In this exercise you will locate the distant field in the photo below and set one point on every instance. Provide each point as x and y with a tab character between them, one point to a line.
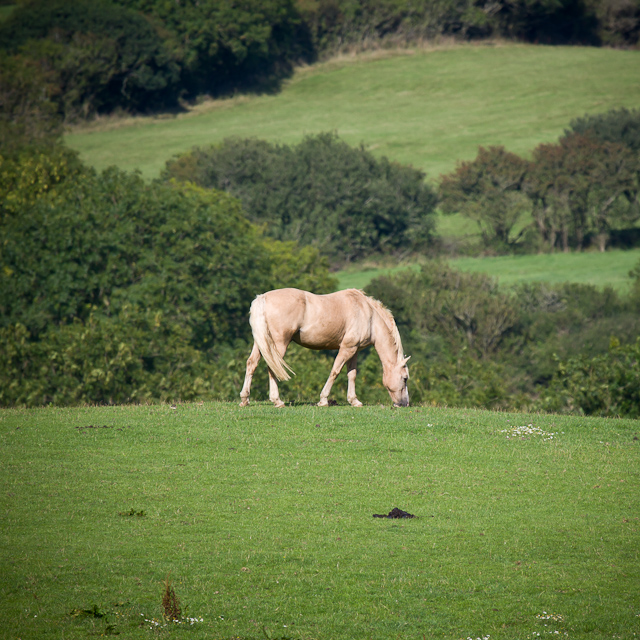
600	269
428	108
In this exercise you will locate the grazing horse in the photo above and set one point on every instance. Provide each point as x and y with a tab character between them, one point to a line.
346	320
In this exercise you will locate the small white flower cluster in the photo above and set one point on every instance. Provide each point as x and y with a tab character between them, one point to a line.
483	638
154	624
556	617
528	430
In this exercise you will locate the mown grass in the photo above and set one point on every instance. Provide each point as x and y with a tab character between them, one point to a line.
600	269
263	518
427	107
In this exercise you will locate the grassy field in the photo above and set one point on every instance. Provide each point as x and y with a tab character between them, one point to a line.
600	269
525	524
426	107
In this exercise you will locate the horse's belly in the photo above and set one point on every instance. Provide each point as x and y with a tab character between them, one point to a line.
312	340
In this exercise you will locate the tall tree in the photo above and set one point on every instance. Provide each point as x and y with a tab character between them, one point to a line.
489	191
582	185
29	113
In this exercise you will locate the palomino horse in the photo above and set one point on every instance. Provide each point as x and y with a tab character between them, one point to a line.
347	320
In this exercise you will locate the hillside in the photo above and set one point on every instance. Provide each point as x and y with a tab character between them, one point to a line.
425	107
600	269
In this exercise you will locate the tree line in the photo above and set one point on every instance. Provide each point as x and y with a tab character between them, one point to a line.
99	56
584	187
582	190
114	290
321	192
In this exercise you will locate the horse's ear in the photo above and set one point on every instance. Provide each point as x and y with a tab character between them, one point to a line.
404	361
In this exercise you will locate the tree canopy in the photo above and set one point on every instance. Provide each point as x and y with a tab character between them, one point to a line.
321	192
113	289
583	186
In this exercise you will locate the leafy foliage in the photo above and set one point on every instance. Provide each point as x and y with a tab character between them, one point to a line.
229	45
29	113
336	23
618	125
606	385
583	185
475	344
321	192
98	55
115	290
489	191
580	187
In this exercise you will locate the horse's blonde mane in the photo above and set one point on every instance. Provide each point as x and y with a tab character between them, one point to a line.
386	316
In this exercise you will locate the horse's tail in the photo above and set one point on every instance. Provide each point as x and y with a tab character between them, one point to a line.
264	340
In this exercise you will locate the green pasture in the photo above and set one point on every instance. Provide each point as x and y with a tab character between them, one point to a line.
610	268
425	107
526	525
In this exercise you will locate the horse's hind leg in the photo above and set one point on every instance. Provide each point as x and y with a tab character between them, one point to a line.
352	371
274	394
252	363
280	343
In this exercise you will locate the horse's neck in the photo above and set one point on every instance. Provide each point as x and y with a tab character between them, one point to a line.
385	344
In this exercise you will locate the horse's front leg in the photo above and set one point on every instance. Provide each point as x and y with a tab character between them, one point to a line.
343	356
252	363
352	371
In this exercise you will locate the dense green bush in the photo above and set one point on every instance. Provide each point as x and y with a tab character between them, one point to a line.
605	385
223	46
617	125
321	192
115	290
99	56
476	344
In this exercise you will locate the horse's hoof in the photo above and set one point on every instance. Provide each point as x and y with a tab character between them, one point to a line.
356	403
323	403
244	403
279	404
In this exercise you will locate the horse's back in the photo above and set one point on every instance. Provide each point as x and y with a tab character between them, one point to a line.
319	321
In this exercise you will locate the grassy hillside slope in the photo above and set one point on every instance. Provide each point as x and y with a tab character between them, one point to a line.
428	108
526	525
600	269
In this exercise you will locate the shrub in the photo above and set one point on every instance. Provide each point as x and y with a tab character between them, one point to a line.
476	344
223	46
100	56
114	290
617	125
321	192
606	385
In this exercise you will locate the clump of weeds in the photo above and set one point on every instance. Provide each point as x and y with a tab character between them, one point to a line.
170	603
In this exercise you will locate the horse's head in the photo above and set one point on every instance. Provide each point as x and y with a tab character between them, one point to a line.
395	379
